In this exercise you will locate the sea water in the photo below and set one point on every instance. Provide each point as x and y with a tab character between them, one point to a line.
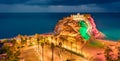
12	24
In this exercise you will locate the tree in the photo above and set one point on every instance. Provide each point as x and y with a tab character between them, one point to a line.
23	41
38	44
46	41
38	41
119	53
63	39
12	54
109	54
60	51
71	45
56	40
52	47
42	43
71	41
107	50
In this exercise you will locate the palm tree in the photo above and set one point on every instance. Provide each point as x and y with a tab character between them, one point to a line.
52	47
71	45
70	40
60	45
56	41
57	38
62	39
42	42
42	45
23	41
38	43
38	40
46	40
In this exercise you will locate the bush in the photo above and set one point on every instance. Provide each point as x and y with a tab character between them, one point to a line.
96	44
12	54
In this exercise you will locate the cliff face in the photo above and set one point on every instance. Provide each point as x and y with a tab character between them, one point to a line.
78	26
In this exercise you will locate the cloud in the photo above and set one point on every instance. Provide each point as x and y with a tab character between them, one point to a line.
111	7
52	8
59	5
57	2
13	1
108	7
81	2
37	2
22	8
80	8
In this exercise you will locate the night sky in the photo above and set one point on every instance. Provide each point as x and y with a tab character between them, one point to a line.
59	5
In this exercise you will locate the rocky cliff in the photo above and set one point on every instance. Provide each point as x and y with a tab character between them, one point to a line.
78	26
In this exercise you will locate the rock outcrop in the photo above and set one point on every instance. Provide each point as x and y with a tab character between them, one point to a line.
72	26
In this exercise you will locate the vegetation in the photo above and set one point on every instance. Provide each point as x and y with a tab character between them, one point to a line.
12	53
111	55
42	45
96	44
107	51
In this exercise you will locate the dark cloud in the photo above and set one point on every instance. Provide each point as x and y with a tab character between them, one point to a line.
59	5
12	1
53	8
111	7
56	2
80	2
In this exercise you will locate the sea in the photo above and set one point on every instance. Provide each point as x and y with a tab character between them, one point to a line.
12	24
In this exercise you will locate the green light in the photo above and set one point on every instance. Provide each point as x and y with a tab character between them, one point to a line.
83	30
